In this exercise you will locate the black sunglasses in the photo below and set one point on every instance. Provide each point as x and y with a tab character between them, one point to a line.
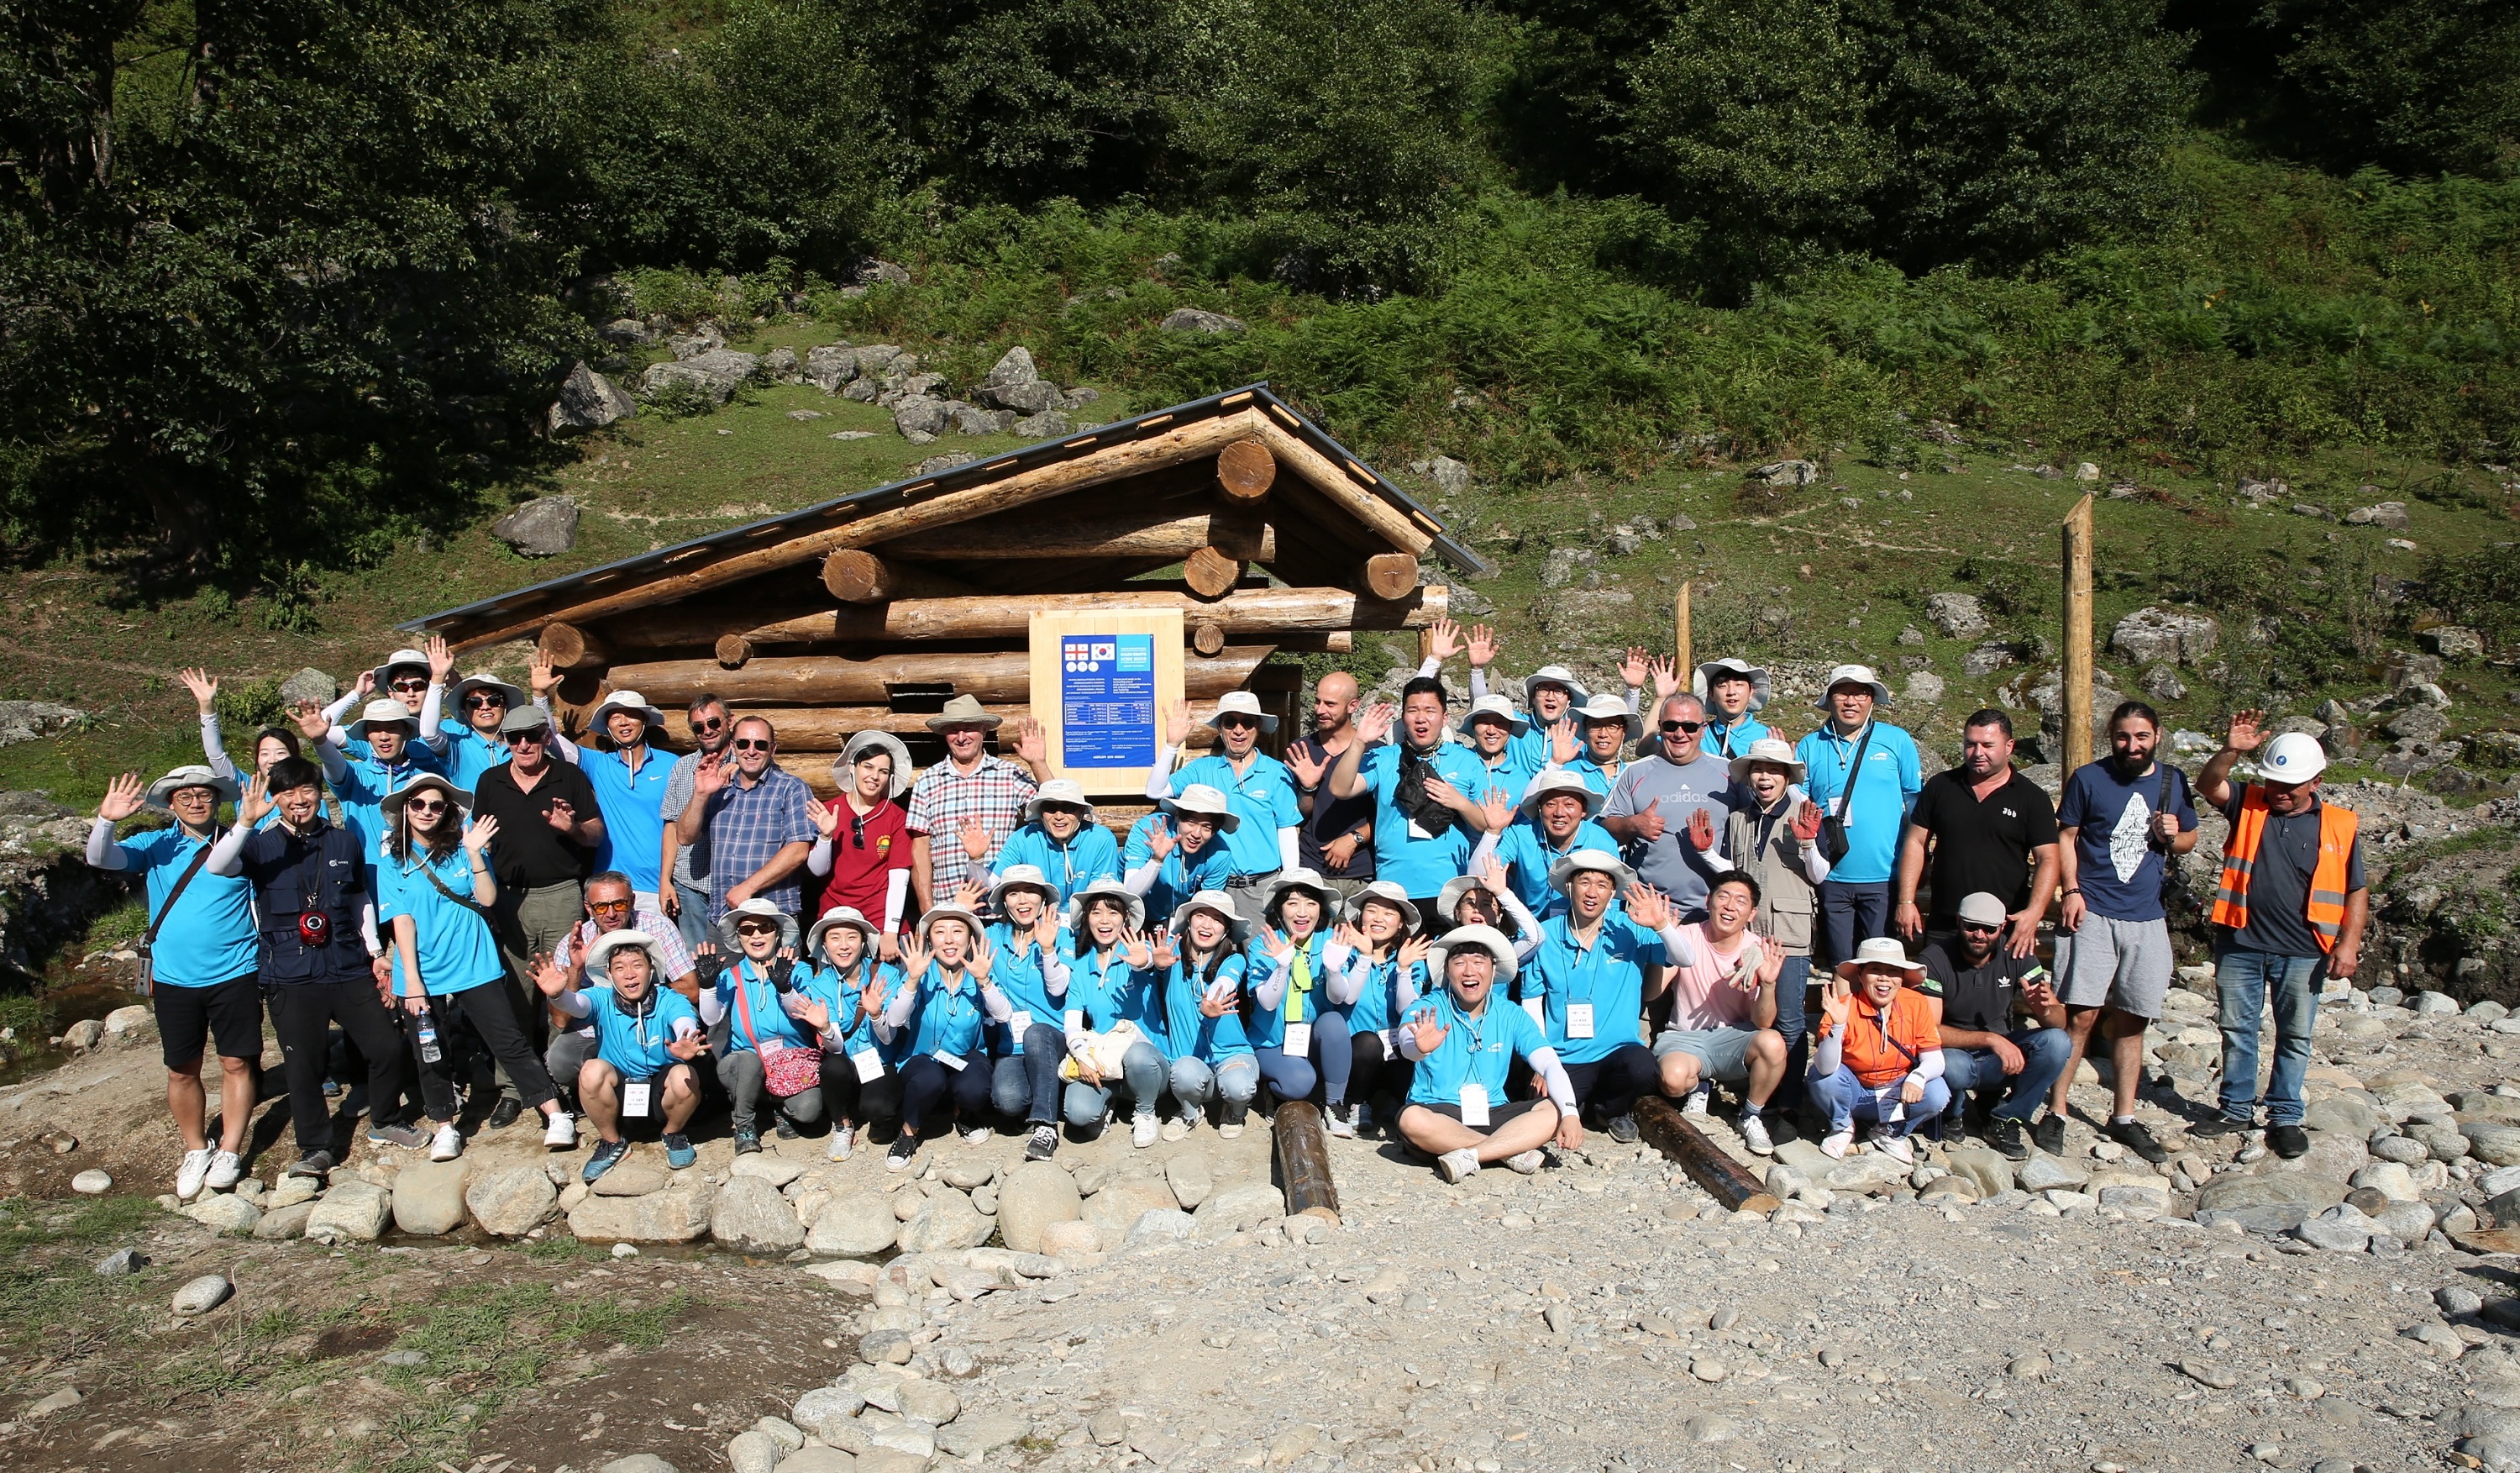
1691	726
857	830
425	806
478	702
408	685
1975	926
537	736
746	744
710	723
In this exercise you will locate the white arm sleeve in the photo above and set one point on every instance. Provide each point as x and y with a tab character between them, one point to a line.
1480	855
1429	668
102	851
570	1001
214	749
432	711
1142	879
1054	974
1159	778
1561	1089
1290	853
1929	1066
227	856
337	768
563	745
898	1012
711	1004
1828	1054
995	1003
1274	991
895	892
818	859
1346	980
368	929
1816	865
341	707
1675	940
1526	926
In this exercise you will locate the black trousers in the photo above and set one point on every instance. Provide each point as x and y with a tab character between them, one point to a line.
1614	1084
844	1098
1372	1073
302	1015
932	1092
484	1010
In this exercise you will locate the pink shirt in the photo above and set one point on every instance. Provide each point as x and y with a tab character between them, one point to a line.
1702	992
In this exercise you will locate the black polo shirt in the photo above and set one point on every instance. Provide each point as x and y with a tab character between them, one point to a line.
1981	846
1982	998
529	854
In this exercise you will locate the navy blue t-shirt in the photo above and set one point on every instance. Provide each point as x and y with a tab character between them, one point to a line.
2117	866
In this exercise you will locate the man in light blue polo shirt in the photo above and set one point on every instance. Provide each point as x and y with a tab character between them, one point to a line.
1854	898
1463	1041
1554	819
629	783
1598	964
1731	690
1258	787
1426	814
473	741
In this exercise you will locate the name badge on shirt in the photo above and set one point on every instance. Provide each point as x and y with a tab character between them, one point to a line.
1532	1005
1579	1020
869	1065
635	1096
953	1061
1299	1040
1019	1024
1474	1106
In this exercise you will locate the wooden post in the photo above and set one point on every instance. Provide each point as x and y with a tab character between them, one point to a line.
1304	1162
1207	637
1685	662
572	647
2078	635
1211	574
1245	470
1725	1179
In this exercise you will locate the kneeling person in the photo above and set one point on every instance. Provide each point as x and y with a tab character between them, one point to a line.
1879	1057
645	1037
1724	1010
1463	1042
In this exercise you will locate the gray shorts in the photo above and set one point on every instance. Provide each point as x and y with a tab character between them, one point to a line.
2121	964
1722	1054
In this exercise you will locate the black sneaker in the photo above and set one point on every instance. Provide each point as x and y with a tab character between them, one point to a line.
1623	1130
2049	1135
2132	1135
315	1164
2289	1141
2219	1127
504	1114
2006	1139
904	1146
788	1128
1045	1142
748	1141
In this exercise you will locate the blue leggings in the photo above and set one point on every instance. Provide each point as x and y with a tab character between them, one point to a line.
1327	1064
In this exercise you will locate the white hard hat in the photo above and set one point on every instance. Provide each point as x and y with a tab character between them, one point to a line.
2293	757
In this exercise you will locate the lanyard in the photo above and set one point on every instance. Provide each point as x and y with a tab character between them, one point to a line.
1299	987
1585	960
1477	1031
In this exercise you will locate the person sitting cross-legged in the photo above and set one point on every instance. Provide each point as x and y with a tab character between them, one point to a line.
645	1037
1463	1041
1879	1056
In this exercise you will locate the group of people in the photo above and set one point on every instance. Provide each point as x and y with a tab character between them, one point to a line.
1482	934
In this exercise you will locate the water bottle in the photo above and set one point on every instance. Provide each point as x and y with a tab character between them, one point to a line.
429	1050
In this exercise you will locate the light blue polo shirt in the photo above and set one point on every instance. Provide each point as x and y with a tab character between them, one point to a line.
1525	852
1609	975
633	807
840	996
1879	820
1071	866
1184	874
1269	1030
1474	1051
363	789
1018	972
1513	770
635	1043
1421	866
1188	1033
1388	991
1107	989
453	942
1735	740
210	935
1263	797
770	1021
946	1021
470	753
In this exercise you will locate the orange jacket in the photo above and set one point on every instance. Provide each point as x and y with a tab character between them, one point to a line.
2327	908
1882	1044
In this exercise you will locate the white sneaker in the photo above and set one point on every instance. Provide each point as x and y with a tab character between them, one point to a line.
1143	1129
1176	1129
1526	1162
1231	1131
977	1135
195	1170
226	1170
1754	1134
1454	1166
1896	1147
844	1139
1343	1122
560	1133
1696	1104
1836	1145
447	1144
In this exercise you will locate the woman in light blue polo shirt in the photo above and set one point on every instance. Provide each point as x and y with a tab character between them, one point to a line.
842	999
1393	957
1298	1022
1198	977
950	991
1029	1047
748	980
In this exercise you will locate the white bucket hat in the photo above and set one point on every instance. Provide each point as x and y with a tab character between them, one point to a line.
873	741
1498	707
1551	781
1200	801
1389	893
2292	758
1218	902
1309	882
1883	951
1773	750
1562	873
1555	674
624	700
1449	899
222	788
1065	791
1762	684
1486	938
1027	877
390	805
484	680
838	915
1241	703
1108	887
399	659
952	912
383	711
1852	675
599	958
1609	708
757	909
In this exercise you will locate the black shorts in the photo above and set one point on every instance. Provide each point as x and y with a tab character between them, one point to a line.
1498	1114
229	1012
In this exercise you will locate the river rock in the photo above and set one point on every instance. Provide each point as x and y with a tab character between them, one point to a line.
946	1223
855	1224
2342	1114
202	1295
630	1179
1035	1195
2390	1178
752	1451
2342	1229
2493	1142
1119	1205
2043	1171
2266	1204
778	1171
428	1197
748	1215
829	1404
1191	1177
282	1223
967	1172
289	1191
346	1214
930	1403
1167	1225
1074	1238
1239	1206
2407	1222
92	1183
510	1202
224	1214
973	1438
667	1217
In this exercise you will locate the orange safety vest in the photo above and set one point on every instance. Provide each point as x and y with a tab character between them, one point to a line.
2326	910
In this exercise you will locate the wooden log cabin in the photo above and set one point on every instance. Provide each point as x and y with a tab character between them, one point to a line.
868	612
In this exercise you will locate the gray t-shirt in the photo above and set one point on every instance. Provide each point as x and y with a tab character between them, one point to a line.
1671	863
2279	885
691	863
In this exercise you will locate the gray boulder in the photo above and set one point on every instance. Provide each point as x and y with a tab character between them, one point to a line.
829	367
1034	1195
2266	1204
224	1214
948	1223
714	375
1162	1224
676	1215
1786	473
1050	424
972	1437
1193	320
972	418
2492	1142
2342	1229
428	1198
199	1296
1190	1178
309	684
825	1405
750	1217
34	720
282	1223
2166	635
779	366
588	400
1015	384
1119	1205
855	1224
1958	615
2343	1114
352	1212
512	1201
2389	513
1239	1205
921	419
542	527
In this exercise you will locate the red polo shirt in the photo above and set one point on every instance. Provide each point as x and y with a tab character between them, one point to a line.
864	855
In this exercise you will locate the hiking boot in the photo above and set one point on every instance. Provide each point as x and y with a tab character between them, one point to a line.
678	1150
2132	1135
2006	1139
786	1129
314	1165
1623	1128
748	1141
1458	1166
406	1136
2289	1141
191	1172
608	1153
2049	1134
504	1114
1754	1134
1045	1142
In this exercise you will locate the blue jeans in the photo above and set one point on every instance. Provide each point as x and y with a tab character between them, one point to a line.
1027	1083
1326	1064
1141	1076
692	919
1793	987
1970	1069
1235	1080
2242	977
1851	912
1846	1099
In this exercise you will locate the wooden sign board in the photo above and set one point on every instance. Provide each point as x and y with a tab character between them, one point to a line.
1098	682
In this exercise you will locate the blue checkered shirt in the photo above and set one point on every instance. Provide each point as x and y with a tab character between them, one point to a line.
746	826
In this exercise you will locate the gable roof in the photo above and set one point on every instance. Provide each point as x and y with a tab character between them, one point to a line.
556	597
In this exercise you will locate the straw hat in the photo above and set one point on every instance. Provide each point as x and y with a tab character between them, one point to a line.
222	788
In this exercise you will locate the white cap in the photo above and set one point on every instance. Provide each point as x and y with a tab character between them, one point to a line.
2293	757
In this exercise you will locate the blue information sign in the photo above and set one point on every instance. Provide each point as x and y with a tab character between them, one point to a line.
1106	699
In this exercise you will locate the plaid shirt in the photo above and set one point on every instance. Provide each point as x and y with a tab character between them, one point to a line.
994	793
746	826
673	958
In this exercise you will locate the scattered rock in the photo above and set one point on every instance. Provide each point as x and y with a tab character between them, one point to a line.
1194	320
1958	615
1118	1204
1786	473
34	720
1191	1178
588	400
1035	1195
545	527
428	1197
349	1214
748	1215
282	1223
61	1401
202	1295
2160	634
668	1217
121	1262
511	1201
225	1213
92	1182
946	1223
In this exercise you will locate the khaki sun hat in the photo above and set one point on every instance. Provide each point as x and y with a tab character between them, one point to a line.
963	710
1772	750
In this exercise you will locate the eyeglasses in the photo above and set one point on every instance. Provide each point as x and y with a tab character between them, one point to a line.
408	685
483	701
607	904
1982	929
746	744
1691	727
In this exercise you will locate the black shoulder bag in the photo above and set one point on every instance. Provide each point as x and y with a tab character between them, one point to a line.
146	982
1833	842
2175	897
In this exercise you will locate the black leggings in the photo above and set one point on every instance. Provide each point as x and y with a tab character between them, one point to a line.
302	1015
932	1092
1372	1073
845	1098
1614	1084
484	1009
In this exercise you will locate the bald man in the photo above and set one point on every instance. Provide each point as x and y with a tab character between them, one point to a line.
1336	839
